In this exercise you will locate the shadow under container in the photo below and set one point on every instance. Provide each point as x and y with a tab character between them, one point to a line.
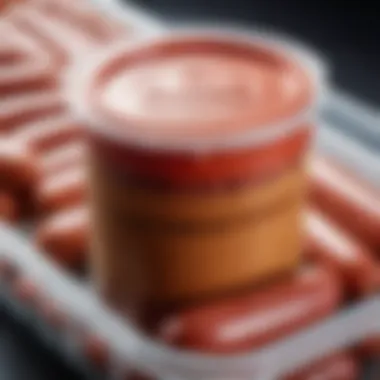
198	147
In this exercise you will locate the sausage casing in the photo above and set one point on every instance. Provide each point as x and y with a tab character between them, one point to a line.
257	318
65	236
337	367
328	244
62	190
62	158
346	200
49	133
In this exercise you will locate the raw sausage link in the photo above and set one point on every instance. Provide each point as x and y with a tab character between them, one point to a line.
255	319
84	18
49	133
18	166
65	236
62	158
338	367
16	111
62	190
62	41
328	244
346	200
24	66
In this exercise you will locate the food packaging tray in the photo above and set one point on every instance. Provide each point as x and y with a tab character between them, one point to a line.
348	133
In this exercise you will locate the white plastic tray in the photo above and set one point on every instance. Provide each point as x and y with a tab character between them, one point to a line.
131	349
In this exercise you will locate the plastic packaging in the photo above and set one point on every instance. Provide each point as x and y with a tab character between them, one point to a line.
67	297
208	180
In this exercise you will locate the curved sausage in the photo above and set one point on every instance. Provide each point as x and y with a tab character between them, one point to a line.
18	110
25	67
8	207
84	18
65	236
327	244
62	190
61	41
49	133
337	367
62	158
18	166
257	318
346	200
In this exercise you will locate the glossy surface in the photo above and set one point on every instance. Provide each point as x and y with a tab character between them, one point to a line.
328	244
349	201
65	236
253	320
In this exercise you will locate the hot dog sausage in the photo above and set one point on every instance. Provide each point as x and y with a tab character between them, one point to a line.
338	367
48	133
27	68
19	110
8	207
328	244
62	41
257	318
62	158
66	236
18	166
346	200
84	18
62	190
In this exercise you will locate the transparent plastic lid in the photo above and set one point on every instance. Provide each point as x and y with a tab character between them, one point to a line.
83	79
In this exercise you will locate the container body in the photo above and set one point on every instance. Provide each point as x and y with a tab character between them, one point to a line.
197	185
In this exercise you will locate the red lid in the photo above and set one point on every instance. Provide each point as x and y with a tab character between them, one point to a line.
190	91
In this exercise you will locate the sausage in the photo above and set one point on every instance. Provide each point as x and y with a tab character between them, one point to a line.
328	244
49	133
29	22
62	41
25	67
62	190
62	158
84	18
18	166
257	318
347	200
65	236
18	110
337	367
8	207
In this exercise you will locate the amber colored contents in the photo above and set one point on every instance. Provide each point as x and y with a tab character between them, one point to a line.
197	179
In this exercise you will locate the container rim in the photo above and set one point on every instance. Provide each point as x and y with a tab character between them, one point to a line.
78	81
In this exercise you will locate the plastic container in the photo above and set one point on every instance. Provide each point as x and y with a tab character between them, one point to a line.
202	167
131	350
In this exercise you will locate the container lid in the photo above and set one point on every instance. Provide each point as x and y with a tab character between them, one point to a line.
191	91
